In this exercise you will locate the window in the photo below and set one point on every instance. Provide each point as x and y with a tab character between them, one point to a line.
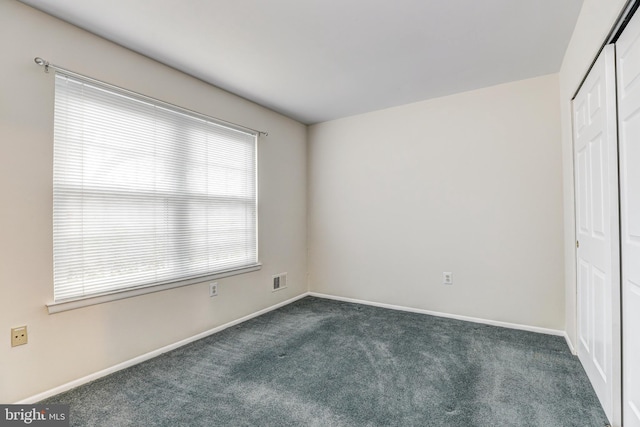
146	193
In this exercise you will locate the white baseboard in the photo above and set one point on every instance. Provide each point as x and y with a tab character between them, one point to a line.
570	344
155	353
151	354
447	315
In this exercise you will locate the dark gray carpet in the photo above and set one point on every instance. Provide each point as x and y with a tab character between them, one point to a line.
325	363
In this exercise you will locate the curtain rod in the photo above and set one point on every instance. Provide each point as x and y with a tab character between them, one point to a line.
46	64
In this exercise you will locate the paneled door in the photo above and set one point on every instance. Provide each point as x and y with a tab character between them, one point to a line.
628	69
597	231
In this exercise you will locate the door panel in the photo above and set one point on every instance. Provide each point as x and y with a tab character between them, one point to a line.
600	350
598	160
628	68
584	330
595	154
632	346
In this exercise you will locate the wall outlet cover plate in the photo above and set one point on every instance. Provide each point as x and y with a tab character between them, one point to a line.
18	336
213	289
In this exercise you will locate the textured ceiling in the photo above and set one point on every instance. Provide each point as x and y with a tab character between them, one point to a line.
317	60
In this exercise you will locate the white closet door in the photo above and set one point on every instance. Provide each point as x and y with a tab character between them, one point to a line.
596	181
628	68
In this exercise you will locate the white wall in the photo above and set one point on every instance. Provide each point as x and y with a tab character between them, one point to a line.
596	19
69	345
470	183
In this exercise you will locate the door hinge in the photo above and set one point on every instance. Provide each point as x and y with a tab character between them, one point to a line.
577	243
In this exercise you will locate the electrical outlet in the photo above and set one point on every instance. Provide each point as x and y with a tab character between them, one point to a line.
213	289
447	278
18	336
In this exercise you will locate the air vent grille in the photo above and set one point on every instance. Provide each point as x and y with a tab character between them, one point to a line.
279	282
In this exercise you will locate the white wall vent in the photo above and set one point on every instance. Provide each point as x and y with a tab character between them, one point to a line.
279	282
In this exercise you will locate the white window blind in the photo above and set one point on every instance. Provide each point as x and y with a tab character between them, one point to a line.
145	194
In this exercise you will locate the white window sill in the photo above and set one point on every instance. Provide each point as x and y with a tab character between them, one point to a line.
57	307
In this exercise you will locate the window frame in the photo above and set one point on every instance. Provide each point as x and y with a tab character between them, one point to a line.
140	289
